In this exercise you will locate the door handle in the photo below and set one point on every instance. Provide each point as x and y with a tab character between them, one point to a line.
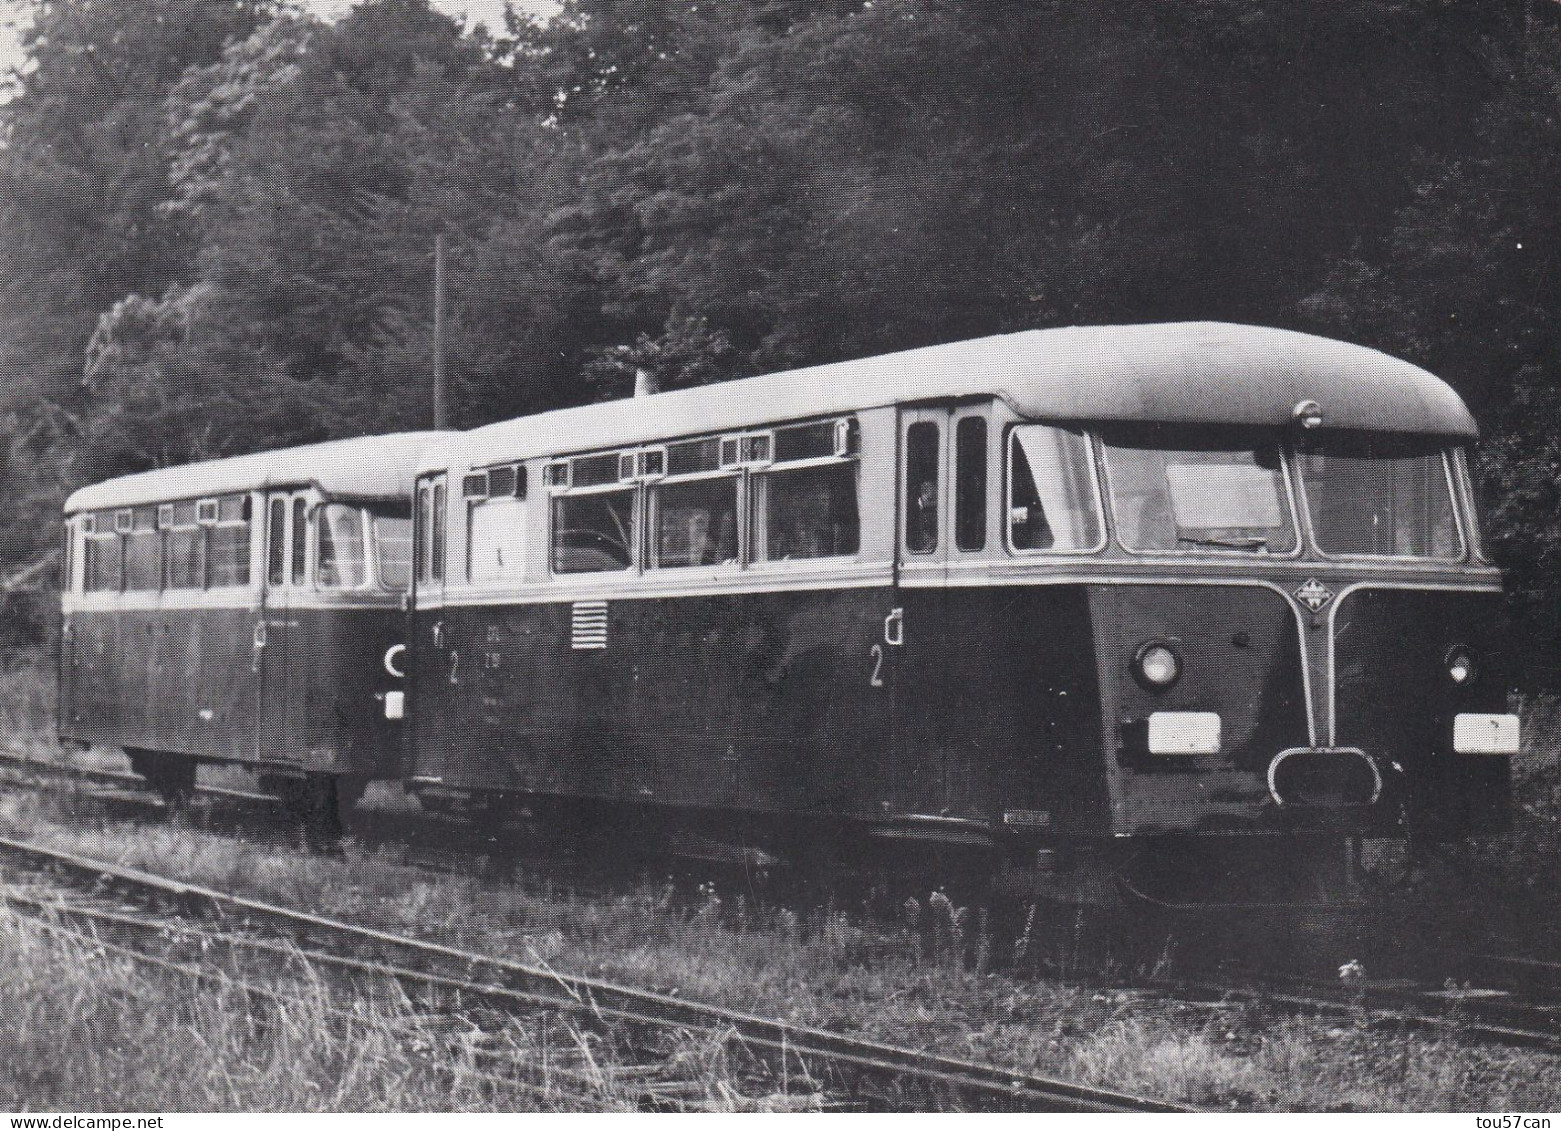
259	640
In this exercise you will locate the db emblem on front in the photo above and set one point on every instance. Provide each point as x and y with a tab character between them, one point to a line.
1314	595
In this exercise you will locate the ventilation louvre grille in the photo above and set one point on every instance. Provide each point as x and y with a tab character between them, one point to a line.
588	625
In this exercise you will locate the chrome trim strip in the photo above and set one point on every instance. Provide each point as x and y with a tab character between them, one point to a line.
1376	774
227	597
729	582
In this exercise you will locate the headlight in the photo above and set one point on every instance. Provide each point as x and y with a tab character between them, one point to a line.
1461	666
1156	665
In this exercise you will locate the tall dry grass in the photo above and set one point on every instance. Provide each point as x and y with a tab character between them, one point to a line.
90	1026
27	700
90	1029
829	970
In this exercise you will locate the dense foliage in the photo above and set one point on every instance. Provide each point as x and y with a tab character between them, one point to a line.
219	218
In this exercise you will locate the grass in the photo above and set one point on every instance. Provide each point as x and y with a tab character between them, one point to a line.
827	970
27	683
88	1028
832	973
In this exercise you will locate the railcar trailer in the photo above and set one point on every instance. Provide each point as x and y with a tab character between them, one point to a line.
1186	602
246	611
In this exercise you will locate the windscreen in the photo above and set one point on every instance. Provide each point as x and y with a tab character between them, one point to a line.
1189	490
1380	495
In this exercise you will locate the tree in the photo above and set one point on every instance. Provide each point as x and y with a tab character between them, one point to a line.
1467	286
82	173
685	355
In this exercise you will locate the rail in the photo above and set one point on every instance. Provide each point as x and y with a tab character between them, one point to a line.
124	779
516	985
1497	1017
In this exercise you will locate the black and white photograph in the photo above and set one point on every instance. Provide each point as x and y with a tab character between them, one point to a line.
780	556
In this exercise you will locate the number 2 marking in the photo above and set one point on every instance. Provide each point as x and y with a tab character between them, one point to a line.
876	679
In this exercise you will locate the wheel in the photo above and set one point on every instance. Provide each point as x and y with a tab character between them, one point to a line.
172	776
313	801
322	806
349	790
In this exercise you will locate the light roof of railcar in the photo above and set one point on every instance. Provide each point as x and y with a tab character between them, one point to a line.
365	467
1178	372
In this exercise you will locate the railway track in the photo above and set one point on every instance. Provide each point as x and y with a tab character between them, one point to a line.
1514	972
1488	1013
121	780
427	841
1498	999
870	1072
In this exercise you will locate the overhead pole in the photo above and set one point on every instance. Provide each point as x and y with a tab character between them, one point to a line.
441	408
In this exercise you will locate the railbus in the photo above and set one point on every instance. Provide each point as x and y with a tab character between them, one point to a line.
1168	604
245	611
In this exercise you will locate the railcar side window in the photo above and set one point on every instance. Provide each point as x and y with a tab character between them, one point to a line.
807	513
1178	489
424	531
438	534
696	522
593	533
970	483
184	550
496	539
143	551
393	545
1380	495
341	564
276	544
104	556
228	550
693	456
300	538
921	487
1052	501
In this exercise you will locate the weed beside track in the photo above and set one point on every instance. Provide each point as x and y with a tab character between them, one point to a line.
825	970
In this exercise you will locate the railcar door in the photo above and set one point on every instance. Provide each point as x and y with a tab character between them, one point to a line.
281	683
433	664
914	638
65	714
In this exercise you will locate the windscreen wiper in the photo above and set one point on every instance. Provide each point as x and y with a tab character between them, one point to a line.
1252	543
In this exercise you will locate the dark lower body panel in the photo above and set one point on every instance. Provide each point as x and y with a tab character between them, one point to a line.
192	683
1007	719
